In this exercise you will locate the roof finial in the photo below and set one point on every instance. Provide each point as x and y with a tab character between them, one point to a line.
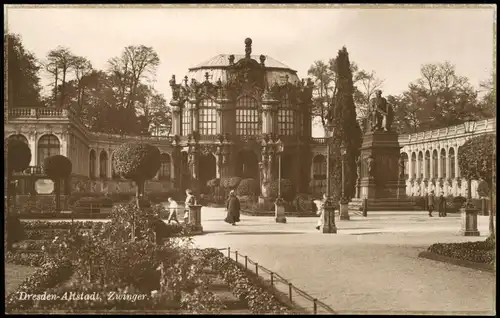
172	81
206	76
231	59
248	47
262	60
286	78
185	80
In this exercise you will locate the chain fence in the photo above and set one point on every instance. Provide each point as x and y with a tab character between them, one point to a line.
295	295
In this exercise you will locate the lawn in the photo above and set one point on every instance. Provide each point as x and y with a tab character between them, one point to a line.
15	275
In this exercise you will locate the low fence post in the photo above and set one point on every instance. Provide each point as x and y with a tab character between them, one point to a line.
290	291
315	302
256	268
236	256
272	278
229	252
246	262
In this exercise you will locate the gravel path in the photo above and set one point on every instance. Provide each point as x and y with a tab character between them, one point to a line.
370	266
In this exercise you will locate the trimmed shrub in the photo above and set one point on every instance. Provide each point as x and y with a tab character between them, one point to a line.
230	183
138	162
18	155
247	187
287	189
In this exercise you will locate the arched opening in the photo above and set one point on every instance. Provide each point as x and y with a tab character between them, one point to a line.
427	170
451	154
19	137
92	163
319	175
48	145
443	163
103	165
165	161
435	164
414	165
420	172
247	165
404	156
207	170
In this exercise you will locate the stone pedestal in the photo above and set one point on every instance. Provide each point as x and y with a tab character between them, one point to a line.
329	220
469	221
344	212
379	174
279	213
195	218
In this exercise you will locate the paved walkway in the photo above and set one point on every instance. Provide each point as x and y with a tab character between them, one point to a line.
370	266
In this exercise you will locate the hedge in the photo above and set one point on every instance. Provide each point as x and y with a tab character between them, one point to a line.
247	187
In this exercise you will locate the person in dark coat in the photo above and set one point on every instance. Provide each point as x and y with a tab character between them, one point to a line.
232	208
441	205
430	203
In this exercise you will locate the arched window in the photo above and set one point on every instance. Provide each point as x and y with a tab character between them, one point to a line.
420	165
427	170
443	163
247	117
103	164
48	145
435	164
19	137
92	163
186	121
451	155
164	173
414	165
207	117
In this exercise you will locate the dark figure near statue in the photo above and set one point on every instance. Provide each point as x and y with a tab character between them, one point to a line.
380	113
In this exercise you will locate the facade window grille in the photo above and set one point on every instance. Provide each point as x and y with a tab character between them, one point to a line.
285	122
207	117
247	117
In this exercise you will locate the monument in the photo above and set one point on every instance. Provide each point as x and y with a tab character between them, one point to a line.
380	179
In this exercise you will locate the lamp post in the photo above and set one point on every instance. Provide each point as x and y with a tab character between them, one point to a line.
279	207
469	211
344	210
329	205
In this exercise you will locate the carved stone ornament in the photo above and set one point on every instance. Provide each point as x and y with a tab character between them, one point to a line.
206	149
370	162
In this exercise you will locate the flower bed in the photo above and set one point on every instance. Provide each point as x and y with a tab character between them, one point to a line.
259	300
478	252
25	258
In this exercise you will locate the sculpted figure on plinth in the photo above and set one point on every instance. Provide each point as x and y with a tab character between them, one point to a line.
380	113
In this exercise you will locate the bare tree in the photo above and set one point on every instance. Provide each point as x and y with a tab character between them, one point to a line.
369	84
58	64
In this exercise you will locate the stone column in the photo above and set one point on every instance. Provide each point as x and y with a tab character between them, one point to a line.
109	169
448	165
410	166
426	172
176	120
33	147
194	118
440	169
98	164
219	121
457	169
418	163
431	166
64	144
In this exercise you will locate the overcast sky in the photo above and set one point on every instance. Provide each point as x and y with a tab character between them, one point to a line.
392	42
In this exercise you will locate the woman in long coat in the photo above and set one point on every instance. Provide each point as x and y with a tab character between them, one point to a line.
233	209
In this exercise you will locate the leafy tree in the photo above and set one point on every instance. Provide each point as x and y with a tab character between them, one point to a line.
488	102
56	168
476	158
23	80
439	98
346	129
368	84
59	63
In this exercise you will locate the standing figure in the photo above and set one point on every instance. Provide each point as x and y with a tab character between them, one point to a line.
232	208
442	205
320	207
172	209
190	200
430	203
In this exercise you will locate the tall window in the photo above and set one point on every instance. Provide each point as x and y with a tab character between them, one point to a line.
103	164
427	162
443	163
186	121
165	167
48	145
207	117
285	122
247	117
435	164
319	174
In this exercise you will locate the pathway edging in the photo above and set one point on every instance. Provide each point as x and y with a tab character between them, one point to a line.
455	261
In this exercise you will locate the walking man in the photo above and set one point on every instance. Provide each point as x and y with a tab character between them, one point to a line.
430	203
442	205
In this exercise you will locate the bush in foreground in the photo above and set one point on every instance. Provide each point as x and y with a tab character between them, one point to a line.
478	252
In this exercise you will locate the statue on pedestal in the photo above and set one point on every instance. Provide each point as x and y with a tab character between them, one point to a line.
380	113
401	164
370	161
